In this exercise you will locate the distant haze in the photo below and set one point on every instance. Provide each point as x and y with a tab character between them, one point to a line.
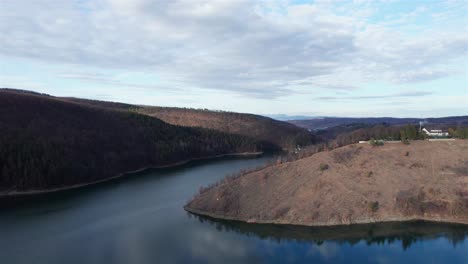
284	117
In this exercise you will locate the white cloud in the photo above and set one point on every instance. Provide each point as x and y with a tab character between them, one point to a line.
261	49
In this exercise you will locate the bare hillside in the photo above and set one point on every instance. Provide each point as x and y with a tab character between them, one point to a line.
276	133
352	184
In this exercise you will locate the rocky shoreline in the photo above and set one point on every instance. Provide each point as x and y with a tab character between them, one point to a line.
327	224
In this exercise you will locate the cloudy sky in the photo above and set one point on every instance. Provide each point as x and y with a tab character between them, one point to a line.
299	57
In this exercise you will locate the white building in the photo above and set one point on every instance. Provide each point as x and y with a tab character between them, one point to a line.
435	133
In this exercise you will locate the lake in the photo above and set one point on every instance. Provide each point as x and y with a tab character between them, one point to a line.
140	219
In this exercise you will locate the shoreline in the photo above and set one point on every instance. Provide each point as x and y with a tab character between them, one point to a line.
363	185
370	221
11	194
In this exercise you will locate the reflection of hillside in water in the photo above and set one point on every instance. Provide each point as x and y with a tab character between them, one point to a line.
379	233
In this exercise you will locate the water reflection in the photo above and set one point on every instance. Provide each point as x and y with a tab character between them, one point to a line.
140	219
380	233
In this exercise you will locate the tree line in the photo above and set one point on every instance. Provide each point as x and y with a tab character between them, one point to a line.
50	143
459	132
361	133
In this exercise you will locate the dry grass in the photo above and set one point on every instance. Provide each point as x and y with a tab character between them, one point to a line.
430	184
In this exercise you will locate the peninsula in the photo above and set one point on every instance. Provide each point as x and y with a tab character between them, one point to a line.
357	183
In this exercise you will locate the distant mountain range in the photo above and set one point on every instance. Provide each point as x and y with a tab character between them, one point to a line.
330	122
283	117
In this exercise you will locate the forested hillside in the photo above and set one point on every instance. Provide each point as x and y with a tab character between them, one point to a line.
278	133
48	142
330	122
274	134
351	130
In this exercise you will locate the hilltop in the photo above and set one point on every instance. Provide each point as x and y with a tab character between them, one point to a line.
51	143
276	133
273	134
353	184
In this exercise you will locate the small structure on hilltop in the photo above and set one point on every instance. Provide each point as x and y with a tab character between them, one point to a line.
435	133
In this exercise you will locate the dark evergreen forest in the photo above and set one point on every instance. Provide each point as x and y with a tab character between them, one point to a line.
47	142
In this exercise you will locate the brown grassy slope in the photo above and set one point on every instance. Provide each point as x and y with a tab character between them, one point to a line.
362	184
277	133
47	142
272	133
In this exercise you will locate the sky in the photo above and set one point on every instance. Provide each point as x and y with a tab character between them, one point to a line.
300	57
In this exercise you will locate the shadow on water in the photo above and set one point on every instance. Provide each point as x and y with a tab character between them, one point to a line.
140	219
60	198
405	233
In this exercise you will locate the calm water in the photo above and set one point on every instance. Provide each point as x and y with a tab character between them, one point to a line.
140	220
